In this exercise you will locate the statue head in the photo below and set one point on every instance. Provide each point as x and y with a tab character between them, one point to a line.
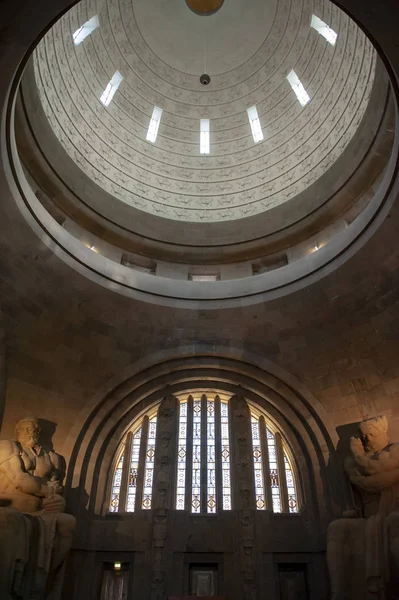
27	431
374	433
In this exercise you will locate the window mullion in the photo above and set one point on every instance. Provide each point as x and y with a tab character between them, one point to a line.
204	454
125	472
141	469
189	456
266	467
281	473
218	456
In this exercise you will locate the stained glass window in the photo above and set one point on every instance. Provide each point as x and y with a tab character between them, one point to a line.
181	458
292	497
116	485
211	458
196	473
274	475
260	500
149	464
203	462
133	473
225	455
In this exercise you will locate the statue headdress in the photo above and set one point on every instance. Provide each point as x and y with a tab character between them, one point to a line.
379	424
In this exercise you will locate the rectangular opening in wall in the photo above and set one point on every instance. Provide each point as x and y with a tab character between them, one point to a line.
292	579
203	580
115	581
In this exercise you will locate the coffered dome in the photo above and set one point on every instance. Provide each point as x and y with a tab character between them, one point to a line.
204	152
159	49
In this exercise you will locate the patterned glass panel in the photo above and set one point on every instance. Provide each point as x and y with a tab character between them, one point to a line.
181	457
274	475
134	468
149	464
116	486
260	500
196	484
210	453
225	454
292	497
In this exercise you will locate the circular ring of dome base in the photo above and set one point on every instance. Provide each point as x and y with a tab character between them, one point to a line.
204	8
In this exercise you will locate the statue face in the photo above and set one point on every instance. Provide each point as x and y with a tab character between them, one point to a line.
28	433
375	439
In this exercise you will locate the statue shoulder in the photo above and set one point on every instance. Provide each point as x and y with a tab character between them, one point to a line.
8	449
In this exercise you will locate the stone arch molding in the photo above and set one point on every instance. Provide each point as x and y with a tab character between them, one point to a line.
302	420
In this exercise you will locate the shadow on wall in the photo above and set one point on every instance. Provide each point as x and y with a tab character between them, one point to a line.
48	429
343	499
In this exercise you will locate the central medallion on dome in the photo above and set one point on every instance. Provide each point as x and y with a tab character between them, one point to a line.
204	7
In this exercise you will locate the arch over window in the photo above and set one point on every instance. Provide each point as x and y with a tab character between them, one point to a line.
203	441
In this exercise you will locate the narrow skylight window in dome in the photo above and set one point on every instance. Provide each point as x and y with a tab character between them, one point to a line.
205	136
256	127
154	125
111	88
324	30
85	30
298	88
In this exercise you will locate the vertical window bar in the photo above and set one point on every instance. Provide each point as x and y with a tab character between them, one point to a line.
211	456
204	453
149	464
226	455
141	469
291	490
265	463
125	472
196	464
181	457
189	458
218	454
133	471
274	474
257	454
281	472
116	484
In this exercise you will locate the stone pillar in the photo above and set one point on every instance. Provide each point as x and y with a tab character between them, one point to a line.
163	491
244	490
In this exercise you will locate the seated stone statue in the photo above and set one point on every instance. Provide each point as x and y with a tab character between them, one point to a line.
363	553
35	533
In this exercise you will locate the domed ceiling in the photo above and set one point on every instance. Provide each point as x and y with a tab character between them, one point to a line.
310	84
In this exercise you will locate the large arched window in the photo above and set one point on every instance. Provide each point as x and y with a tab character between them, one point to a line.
204	467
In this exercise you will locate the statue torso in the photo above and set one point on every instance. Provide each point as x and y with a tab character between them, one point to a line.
36	462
